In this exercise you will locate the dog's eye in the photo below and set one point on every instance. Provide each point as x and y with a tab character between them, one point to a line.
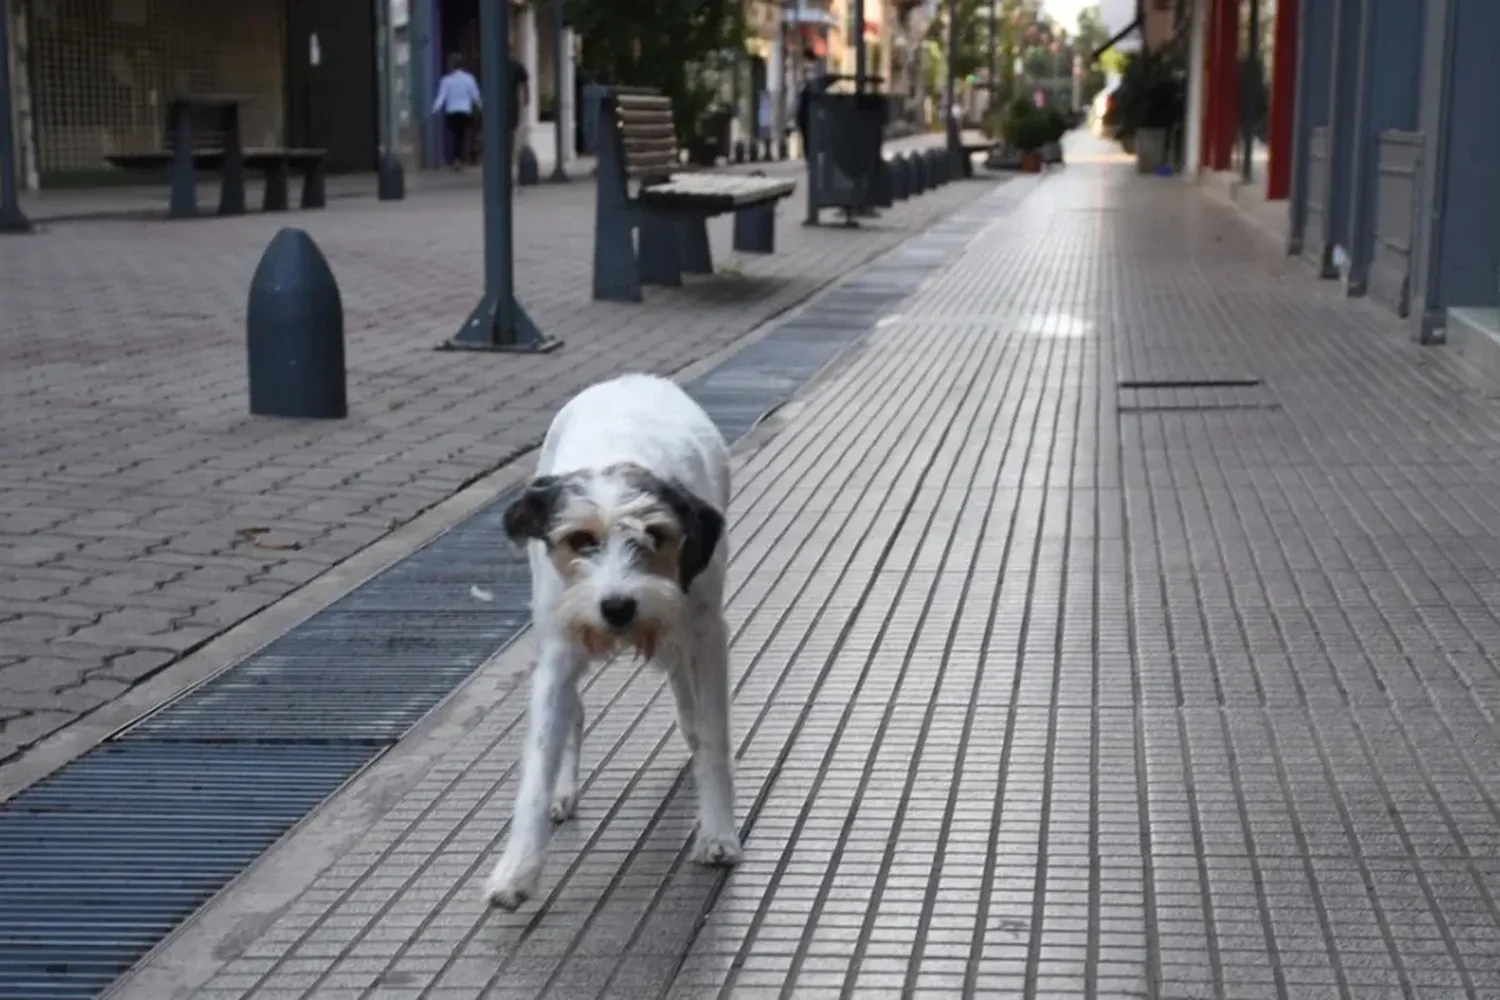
658	536
581	542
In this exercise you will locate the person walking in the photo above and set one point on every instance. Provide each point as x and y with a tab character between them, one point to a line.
457	100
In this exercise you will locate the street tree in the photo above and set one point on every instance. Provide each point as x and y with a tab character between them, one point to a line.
675	46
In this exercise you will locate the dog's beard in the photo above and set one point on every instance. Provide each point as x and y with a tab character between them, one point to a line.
658	616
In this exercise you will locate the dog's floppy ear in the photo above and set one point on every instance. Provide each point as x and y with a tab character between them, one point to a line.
530	514
702	527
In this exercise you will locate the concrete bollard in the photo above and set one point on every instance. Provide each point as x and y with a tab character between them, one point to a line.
528	173
295	333
881	195
937	167
391	179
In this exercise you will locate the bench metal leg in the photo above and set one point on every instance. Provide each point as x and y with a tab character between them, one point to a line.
276	187
697	256
755	229
661	251
617	271
184	203
232	190
314	193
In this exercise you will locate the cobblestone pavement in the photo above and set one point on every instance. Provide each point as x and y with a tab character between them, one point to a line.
1045	686
143	512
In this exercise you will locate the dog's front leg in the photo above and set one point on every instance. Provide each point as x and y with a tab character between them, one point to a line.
549	720
718	835
565	794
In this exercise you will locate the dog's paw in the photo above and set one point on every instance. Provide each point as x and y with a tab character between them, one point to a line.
564	805
512	884
721	850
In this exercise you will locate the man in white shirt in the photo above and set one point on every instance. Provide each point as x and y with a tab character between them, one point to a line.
457	100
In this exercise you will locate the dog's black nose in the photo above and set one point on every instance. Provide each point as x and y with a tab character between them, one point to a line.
618	612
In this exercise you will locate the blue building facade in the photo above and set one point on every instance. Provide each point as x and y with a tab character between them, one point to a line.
1396	174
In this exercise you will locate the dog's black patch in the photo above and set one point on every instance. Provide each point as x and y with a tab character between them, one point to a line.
530	515
700	523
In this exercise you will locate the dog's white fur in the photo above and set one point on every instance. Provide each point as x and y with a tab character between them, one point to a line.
602	446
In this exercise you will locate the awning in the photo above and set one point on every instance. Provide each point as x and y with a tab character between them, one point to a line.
1118	37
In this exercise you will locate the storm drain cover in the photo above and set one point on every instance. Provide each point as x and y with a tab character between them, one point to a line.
1194	394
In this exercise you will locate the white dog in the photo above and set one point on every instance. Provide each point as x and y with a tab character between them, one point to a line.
625	523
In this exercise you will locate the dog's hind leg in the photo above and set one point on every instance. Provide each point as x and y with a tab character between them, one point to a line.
718	840
549	719
565	793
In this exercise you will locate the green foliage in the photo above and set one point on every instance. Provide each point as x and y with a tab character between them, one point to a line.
972	53
1150	95
1027	127
672	45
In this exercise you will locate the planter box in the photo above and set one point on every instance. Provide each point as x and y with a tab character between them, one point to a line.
1150	149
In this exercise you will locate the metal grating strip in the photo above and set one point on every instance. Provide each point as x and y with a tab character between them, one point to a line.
105	858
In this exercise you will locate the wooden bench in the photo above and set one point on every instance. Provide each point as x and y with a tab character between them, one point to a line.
670	207
276	164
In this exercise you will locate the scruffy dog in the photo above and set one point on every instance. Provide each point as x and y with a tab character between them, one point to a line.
624	523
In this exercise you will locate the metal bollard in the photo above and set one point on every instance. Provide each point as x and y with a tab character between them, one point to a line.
917	164
900	177
295	333
391	179
527	170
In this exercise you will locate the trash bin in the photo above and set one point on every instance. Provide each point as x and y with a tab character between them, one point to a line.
846	133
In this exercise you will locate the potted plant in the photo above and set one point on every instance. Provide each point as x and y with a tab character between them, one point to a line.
1057	127
1027	129
1147	108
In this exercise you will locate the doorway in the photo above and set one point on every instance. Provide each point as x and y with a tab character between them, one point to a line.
332	88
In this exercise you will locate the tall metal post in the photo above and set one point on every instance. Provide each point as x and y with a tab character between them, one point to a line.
12	219
778	83
860	58
391	177
950	89
559	175
994	67
1249	85
498	323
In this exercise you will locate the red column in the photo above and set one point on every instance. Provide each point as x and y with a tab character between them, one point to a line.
1283	100
1226	92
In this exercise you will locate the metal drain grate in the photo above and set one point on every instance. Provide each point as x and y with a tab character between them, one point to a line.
1193	395
102	860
